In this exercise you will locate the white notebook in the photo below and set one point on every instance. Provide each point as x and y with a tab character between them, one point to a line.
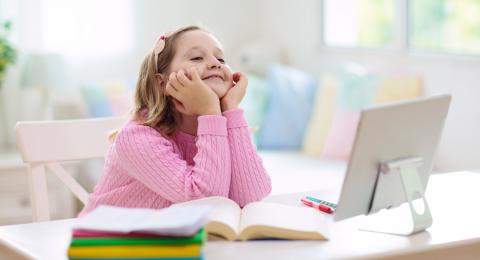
176	221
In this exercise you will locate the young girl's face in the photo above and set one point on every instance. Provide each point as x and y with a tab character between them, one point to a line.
201	50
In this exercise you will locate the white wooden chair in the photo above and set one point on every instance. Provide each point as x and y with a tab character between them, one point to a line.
45	144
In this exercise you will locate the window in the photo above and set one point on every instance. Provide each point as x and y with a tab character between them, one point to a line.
73	28
359	23
445	25
429	25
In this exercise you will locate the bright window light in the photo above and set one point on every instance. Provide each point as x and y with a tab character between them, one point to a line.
87	27
359	23
447	25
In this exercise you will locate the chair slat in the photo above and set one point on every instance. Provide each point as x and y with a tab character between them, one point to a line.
63	140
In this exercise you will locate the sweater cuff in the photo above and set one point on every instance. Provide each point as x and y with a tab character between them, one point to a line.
212	125
235	118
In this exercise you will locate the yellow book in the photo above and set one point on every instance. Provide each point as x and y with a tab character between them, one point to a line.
135	251
259	220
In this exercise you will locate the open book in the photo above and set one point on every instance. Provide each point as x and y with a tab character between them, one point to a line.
259	220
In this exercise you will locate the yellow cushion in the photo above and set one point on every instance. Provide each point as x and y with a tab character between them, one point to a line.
322	116
398	87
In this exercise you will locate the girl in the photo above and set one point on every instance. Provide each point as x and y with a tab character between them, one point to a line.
187	138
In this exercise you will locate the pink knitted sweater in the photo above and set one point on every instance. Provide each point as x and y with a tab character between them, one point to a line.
146	169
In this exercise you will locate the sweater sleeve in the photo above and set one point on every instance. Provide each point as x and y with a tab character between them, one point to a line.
150	158
250	181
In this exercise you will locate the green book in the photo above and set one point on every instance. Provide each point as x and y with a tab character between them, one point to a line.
199	238
142	258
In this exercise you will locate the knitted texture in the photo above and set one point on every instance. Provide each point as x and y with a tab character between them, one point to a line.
145	169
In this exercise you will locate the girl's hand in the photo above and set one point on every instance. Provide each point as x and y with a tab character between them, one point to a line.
235	94
192	96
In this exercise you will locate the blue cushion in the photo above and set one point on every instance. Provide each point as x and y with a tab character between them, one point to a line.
96	101
99	109
254	104
291	98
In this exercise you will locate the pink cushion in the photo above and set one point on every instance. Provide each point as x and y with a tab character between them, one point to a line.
342	135
121	104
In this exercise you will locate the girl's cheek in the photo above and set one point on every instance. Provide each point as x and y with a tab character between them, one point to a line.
197	66
228	73
200	69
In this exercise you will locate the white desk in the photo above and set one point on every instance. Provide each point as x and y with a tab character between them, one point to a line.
455	232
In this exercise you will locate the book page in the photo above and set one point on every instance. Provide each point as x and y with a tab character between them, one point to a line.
264	219
224	217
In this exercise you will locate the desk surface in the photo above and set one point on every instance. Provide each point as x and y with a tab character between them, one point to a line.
451	228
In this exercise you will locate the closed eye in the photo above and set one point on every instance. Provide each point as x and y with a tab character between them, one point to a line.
221	60
197	58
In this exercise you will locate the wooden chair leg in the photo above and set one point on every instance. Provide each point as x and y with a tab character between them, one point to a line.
38	193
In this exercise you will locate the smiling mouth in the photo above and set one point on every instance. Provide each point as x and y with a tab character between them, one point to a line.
213	77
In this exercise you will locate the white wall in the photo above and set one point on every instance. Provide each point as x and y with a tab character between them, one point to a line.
154	17
296	25
233	22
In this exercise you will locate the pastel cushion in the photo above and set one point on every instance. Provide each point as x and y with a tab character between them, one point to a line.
104	100
291	97
399	87
96	101
342	135
322	116
254	104
357	89
331	130
120	104
120	98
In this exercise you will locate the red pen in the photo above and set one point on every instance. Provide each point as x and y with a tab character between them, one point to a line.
320	207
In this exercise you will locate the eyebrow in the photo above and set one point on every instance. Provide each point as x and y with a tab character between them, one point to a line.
200	49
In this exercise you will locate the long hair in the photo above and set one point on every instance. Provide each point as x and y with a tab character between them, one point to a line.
150	96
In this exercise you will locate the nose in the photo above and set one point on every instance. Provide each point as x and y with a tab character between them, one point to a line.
214	63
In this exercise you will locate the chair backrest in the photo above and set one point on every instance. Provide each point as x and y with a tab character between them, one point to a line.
45	144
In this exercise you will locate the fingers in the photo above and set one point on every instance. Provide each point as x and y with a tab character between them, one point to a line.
173	80
172	91
177	96
182	78
194	73
236	76
240	79
179	79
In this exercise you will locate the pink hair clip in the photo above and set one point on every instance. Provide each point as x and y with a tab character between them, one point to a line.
159	46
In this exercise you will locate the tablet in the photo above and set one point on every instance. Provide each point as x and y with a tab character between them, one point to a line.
409	129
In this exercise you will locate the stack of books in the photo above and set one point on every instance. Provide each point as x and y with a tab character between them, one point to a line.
120	233
94	245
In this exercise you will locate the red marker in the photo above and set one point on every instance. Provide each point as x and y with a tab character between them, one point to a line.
314	205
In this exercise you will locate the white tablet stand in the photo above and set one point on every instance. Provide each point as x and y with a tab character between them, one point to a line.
401	220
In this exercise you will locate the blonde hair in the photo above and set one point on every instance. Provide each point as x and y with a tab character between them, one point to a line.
149	96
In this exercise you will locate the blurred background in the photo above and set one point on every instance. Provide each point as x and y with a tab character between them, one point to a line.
312	64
